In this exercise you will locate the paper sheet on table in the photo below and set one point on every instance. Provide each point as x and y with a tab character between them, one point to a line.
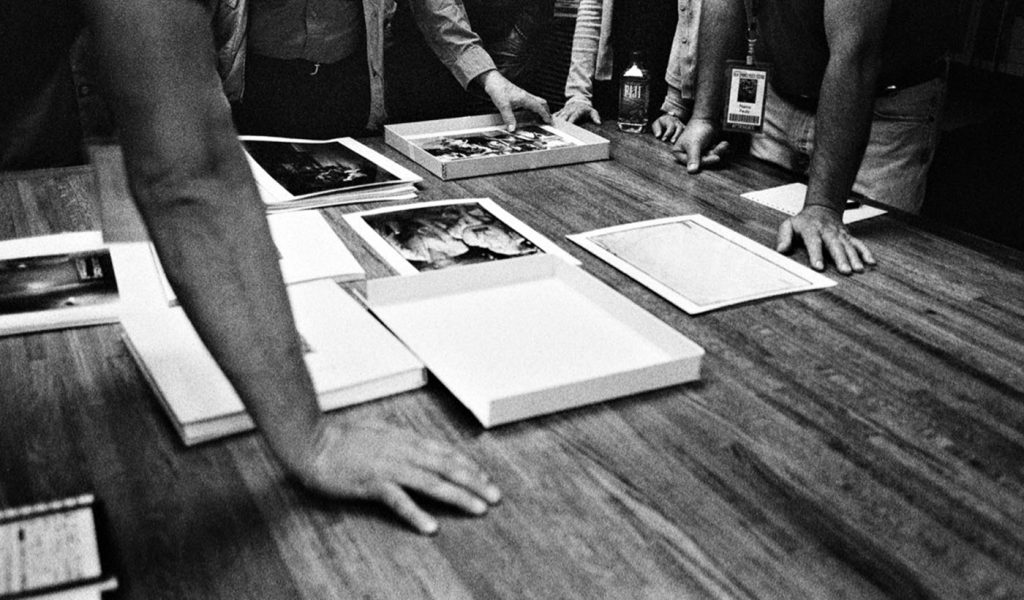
789	199
698	264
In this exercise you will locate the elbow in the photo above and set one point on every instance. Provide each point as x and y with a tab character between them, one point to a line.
179	174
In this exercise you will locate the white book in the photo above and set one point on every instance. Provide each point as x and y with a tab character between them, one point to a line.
297	173
307	247
520	338
306	244
310	249
73	280
351	358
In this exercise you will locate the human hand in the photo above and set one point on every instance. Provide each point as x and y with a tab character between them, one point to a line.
576	110
821	226
508	97
383	464
667	128
696	147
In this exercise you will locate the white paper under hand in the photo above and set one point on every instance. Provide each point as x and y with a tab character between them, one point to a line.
789	199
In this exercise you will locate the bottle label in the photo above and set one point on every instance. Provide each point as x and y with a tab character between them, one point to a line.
632	91
633	99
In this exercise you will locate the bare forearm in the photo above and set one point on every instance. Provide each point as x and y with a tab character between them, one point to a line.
195	192
218	254
854	29
720	36
843	123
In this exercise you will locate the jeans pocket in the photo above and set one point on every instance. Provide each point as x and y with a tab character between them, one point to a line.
918	104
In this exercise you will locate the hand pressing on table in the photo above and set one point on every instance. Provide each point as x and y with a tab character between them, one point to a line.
385	464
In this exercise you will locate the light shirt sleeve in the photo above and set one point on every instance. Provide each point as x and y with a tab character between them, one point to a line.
446	29
579	83
682	60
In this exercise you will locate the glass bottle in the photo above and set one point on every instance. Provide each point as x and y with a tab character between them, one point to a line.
634	94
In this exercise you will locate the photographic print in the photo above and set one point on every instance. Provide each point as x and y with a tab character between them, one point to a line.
494	141
748	90
42	283
305	168
437	235
482	145
697	264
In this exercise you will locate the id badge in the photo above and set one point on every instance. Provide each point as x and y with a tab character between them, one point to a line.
744	104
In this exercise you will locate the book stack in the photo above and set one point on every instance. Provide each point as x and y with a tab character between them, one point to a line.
306	244
351	358
307	248
294	174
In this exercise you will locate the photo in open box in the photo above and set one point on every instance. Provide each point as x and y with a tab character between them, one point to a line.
310	168
435	235
492	141
40	283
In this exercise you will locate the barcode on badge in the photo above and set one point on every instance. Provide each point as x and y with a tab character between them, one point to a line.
747	119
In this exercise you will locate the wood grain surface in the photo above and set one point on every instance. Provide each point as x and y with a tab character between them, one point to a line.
865	441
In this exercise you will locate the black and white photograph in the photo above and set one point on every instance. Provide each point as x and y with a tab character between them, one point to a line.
43	283
747	90
437	237
448	233
516	299
493	142
309	168
478	145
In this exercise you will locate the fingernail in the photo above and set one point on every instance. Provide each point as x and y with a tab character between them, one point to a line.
478	507
819	266
492	494
431	528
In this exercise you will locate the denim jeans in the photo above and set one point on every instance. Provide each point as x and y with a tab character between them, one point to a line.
903	136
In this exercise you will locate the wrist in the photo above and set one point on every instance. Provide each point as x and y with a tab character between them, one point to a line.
301	458
674	113
822	205
712	123
579	100
488	79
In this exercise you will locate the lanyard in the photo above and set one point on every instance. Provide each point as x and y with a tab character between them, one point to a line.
751	10
747	84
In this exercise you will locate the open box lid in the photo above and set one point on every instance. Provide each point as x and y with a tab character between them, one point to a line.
529	336
546	145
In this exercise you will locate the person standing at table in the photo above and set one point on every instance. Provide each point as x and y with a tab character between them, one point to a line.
196	194
854	93
315	68
416	58
591	60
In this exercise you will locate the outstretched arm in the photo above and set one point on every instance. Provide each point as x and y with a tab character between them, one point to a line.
446	29
579	82
722	23
854	29
197	197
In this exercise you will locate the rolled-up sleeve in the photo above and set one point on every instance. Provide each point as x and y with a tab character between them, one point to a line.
446	29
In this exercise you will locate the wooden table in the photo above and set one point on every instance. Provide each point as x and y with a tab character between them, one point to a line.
865	441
